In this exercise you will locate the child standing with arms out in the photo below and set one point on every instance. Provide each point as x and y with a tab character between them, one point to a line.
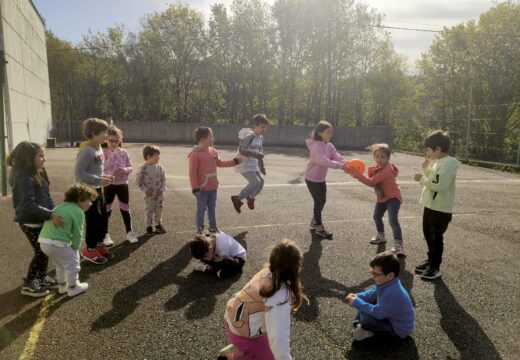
203	163
89	170
32	205
258	317
118	165
152	181
61	244
323	155
382	177
385	308
438	195
252	167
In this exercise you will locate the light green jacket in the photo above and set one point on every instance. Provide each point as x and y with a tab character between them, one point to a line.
438	183
72	230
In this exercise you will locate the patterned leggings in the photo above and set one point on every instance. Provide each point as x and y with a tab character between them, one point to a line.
38	266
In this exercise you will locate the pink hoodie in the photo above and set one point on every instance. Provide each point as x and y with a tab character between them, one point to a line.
203	168
383	179
323	156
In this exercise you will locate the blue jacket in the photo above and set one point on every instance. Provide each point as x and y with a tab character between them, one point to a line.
388	301
32	202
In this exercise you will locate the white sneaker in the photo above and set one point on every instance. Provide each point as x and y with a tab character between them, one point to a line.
132	237
77	289
107	241
378	239
361	334
63	288
228	349
201	266
398	250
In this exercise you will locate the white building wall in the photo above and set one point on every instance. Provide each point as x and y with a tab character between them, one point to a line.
26	91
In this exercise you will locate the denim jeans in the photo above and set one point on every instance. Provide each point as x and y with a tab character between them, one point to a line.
206	199
371	323
392	206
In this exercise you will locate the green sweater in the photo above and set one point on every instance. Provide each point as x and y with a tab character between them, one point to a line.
72	230
439	185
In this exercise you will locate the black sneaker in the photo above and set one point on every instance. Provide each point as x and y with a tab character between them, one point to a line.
149	230
214	229
430	274
323	233
159	229
419	269
48	283
33	288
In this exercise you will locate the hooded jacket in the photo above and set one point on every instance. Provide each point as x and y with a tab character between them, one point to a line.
439	184
203	168
323	155
250	146
383	179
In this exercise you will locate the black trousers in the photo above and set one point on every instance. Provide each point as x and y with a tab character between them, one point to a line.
123	196
435	224
228	267
96	221
318	192
38	266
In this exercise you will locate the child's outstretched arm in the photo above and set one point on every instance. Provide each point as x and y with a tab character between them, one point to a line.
244	147
318	157
376	179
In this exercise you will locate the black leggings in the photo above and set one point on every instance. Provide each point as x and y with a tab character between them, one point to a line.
123	196
96	221
435	224
318	192
228	267
38	266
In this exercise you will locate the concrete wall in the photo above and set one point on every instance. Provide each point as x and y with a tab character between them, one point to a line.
344	137
26	92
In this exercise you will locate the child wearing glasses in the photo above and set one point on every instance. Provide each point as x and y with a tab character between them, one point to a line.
385	308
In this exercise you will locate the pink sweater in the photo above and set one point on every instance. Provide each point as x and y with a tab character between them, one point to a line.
383	179
117	159
323	156
203	168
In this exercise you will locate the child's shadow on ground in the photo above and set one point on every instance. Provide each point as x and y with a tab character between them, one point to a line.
380	347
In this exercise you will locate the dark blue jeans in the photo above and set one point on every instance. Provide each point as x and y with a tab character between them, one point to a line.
392	206
206	200
377	326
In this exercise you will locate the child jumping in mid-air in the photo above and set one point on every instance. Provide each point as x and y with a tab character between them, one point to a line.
385	308
118	165
323	155
218	253
252	167
258	317
32	205
62	243
382	177
89	170
438	195
150	178
203	163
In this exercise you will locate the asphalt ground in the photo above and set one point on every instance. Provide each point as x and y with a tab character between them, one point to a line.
147	303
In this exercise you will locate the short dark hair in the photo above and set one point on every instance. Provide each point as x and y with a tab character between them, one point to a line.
202	133
320	127
80	192
388	262
259	119
199	247
150	150
94	126
439	139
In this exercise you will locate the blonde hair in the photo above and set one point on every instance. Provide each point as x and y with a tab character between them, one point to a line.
385	148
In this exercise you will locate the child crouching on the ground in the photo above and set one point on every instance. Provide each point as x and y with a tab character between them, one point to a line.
385	308
61	244
218	253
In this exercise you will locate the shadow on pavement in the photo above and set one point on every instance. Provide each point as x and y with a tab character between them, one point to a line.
462	329
380	347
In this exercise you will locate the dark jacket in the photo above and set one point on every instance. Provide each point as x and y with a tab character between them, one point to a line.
32	202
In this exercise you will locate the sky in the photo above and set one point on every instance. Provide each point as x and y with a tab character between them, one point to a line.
70	19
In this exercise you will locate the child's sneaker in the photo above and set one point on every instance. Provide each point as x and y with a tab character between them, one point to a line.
226	350
430	274
159	229
360	334
132	237
93	256
200	231
237	203
398	250
201	266
77	289
103	250
378	239
33	288
419	269
214	230
251	202
49	283
63	288
313	225
107	241
320	231
149	230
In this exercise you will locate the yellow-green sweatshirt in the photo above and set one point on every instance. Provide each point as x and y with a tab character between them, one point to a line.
72	230
439	185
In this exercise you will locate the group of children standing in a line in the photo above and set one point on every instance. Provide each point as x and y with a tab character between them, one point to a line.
257	317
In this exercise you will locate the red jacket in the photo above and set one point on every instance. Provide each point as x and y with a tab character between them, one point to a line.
203	168
383	179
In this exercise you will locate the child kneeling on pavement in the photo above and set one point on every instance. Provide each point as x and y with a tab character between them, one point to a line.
385	308
218	253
